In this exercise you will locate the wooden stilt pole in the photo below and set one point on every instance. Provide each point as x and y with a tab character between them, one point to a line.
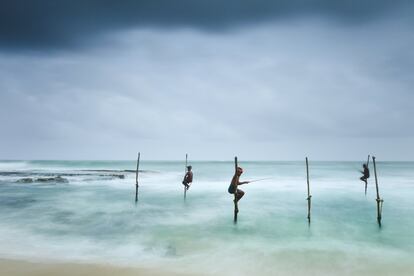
366	180
379	200
136	179
309	195
236	207
185	171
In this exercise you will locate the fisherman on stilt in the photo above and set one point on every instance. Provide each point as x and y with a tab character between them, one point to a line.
365	173
236	182
188	178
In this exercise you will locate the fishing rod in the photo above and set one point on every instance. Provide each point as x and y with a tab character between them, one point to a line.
261	179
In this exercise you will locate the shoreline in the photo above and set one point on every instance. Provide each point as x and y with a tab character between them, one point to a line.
19	267
15	267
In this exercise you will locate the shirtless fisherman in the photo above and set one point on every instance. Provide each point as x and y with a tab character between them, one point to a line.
236	182
188	178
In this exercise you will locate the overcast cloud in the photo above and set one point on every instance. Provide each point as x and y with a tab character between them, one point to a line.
264	80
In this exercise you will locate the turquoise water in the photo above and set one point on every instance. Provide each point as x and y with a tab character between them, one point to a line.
92	217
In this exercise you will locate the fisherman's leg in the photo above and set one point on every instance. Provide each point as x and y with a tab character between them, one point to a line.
240	194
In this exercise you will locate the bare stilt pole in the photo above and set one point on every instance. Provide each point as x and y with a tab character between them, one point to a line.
236	207
309	195
379	200
136	179
185	171
366	180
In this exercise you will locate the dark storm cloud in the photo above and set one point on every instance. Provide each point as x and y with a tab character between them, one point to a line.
327	91
47	24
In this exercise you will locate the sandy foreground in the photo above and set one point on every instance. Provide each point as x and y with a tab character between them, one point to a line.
50	268
20	268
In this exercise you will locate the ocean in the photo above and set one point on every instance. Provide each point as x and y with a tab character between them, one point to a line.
85	211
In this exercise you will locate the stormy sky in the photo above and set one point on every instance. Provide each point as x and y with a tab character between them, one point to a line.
264	80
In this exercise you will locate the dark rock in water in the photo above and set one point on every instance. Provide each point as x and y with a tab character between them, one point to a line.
25	180
61	179
57	179
45	179
120	176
